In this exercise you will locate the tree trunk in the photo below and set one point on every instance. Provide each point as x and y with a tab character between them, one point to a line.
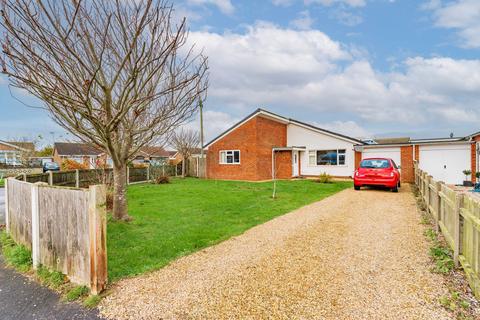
120	192
183	168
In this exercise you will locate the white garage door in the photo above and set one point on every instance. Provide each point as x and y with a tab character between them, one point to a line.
446	162
391	153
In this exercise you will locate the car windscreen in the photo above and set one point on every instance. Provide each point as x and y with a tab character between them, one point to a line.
51	165
375	164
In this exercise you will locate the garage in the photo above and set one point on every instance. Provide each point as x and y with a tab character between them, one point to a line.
446	162
383	152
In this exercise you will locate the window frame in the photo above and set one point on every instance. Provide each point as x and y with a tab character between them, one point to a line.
226	155
315	151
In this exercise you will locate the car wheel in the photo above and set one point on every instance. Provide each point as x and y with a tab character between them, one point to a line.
356	187
395	189
399	185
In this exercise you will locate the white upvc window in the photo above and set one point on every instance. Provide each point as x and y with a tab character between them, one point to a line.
333	157
230	157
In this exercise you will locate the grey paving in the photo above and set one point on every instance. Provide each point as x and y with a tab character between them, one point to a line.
23	299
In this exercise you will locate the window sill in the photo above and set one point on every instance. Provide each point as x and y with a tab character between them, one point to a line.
229	164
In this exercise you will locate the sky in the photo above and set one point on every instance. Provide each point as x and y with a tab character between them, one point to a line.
364	68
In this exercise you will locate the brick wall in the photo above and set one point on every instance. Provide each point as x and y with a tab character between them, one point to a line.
255	140
358	159
406	158
283	164
417	153
5	147
474	157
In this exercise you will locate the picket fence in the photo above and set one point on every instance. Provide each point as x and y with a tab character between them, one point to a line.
65	228
457	217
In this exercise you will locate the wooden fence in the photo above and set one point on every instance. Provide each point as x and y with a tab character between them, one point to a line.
457	216
196	167
87	177
65	228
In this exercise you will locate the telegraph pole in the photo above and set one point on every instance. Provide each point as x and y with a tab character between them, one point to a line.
201	127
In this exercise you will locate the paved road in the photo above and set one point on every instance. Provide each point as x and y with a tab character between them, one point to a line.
23	299
2	206
354	255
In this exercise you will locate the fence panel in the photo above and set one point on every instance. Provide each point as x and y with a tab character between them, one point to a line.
19	211
138	174
63	229
447	214
471	242
39	177
64	178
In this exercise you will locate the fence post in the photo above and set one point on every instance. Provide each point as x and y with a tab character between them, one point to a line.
97	225
35	227
163	170
77	178
438	186
456	230
128	175
427	194
24	177
7	222
148	173
50	178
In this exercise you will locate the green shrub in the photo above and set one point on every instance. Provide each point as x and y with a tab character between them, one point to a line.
92	301
443	260
76	293
53	279
162	179
325	178
17	256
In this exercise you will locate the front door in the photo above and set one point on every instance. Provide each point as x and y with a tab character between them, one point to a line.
295	163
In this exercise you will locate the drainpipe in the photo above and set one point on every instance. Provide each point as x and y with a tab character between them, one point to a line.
273	173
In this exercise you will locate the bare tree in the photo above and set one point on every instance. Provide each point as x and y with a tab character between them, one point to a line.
116	73
186	142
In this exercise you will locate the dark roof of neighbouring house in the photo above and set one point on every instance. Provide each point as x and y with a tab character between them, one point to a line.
76	149
172	153
287	120
392	140
153	151
25	146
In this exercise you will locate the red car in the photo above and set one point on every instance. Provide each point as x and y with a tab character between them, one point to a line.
377	172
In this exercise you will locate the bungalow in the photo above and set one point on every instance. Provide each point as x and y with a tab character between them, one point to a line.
81	153
152	155
265	145
15	153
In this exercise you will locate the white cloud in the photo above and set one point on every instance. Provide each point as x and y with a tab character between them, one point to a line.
352	3
346	17
303	22
461	15
214	122
307	73
224	6
349	128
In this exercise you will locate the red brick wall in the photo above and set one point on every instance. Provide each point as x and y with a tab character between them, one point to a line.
358	159
283	164
255	140
406	158
7	148
474	157
417	153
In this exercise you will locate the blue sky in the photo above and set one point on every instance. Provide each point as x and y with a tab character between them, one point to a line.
363	68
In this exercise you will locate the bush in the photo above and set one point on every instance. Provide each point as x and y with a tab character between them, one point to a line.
77	293
162	179
324	178
69	164
15	255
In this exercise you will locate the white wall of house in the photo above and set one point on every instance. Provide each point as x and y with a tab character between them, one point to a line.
383	152
445	162
312	140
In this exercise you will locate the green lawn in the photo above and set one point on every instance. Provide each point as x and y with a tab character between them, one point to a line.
186	215
2	183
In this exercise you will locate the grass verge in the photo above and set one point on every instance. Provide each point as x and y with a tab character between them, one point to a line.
186	215
16	256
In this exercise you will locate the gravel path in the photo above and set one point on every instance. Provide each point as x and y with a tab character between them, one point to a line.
355	255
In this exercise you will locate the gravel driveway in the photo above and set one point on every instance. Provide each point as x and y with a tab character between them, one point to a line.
355	255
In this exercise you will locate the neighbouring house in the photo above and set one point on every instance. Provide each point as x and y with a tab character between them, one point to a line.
174	157
15	153
265	145
82	153
151	155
